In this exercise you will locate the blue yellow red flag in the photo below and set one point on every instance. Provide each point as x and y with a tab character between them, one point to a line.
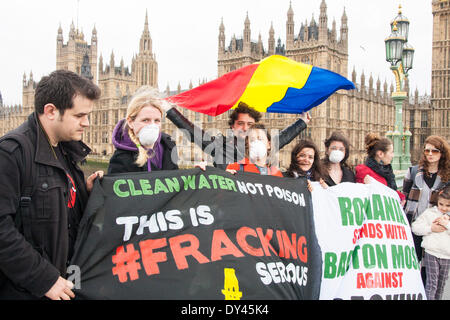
275	84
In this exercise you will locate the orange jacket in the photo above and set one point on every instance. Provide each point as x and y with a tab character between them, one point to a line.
247	166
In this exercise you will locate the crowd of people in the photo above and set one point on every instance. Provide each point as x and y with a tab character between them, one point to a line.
43	192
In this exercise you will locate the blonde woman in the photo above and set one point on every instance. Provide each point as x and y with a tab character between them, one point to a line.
140	144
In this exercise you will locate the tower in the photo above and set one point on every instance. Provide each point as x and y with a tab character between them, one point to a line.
290	28
221	37
70	56
323	22
440	69
145	66
271	40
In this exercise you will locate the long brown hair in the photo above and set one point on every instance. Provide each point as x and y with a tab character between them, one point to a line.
444	162
317	168
337	136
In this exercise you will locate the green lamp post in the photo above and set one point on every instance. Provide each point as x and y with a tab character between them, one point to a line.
400	55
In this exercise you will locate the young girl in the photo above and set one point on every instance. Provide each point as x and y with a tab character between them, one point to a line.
433	224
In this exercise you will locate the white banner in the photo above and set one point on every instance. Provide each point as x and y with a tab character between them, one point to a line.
367	247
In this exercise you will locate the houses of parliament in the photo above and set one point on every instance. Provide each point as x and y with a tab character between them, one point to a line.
368	108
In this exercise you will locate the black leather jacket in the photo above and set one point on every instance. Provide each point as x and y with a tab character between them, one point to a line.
226	150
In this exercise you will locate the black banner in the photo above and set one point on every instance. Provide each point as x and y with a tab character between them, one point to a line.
192	234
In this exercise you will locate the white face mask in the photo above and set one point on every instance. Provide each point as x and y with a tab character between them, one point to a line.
258	149
336	156
149	134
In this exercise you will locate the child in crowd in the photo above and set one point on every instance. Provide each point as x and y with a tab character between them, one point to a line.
433	224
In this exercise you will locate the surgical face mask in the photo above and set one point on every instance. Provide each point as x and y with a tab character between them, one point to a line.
258	149
149	134
336	156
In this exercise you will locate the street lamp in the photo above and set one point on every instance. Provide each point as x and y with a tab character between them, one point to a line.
400	55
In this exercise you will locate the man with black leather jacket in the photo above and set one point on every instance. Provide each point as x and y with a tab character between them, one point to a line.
43	192
231	148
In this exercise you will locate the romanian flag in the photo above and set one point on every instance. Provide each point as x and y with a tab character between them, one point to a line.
275	84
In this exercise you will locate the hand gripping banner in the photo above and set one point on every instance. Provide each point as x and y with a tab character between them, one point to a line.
192	234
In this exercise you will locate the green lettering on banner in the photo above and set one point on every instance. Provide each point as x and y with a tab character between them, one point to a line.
330	265
231	185
203	182
368	256
117	191
368	208
404	257
381	256
398	257
160	186
173	184
213	179
378	211
345	206
146	187
222	182
346	259
133	191
358	207
389	208
189	182
344	263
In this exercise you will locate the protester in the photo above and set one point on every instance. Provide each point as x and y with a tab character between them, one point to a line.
380	152
433	224
257	158
140	144
423	181
230	149
305	162
335	161
43	191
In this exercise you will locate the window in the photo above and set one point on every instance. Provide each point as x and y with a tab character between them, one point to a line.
411	119
424	119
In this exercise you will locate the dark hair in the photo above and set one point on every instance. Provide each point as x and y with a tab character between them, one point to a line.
375	143
243	108
60	88
444	162
337	136
317	167
444	193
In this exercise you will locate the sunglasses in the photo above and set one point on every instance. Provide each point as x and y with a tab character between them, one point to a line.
431	151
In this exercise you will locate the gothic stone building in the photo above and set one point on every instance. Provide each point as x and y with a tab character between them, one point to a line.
369	108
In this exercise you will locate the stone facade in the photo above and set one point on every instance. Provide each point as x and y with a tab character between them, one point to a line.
440	75
369	108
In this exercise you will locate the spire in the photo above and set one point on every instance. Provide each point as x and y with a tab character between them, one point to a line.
247	32
60	38
271	40
323	22
145	45
221	37
344	28
146	21
290	27
111	62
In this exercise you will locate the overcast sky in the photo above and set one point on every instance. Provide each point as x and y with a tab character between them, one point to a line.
185	34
